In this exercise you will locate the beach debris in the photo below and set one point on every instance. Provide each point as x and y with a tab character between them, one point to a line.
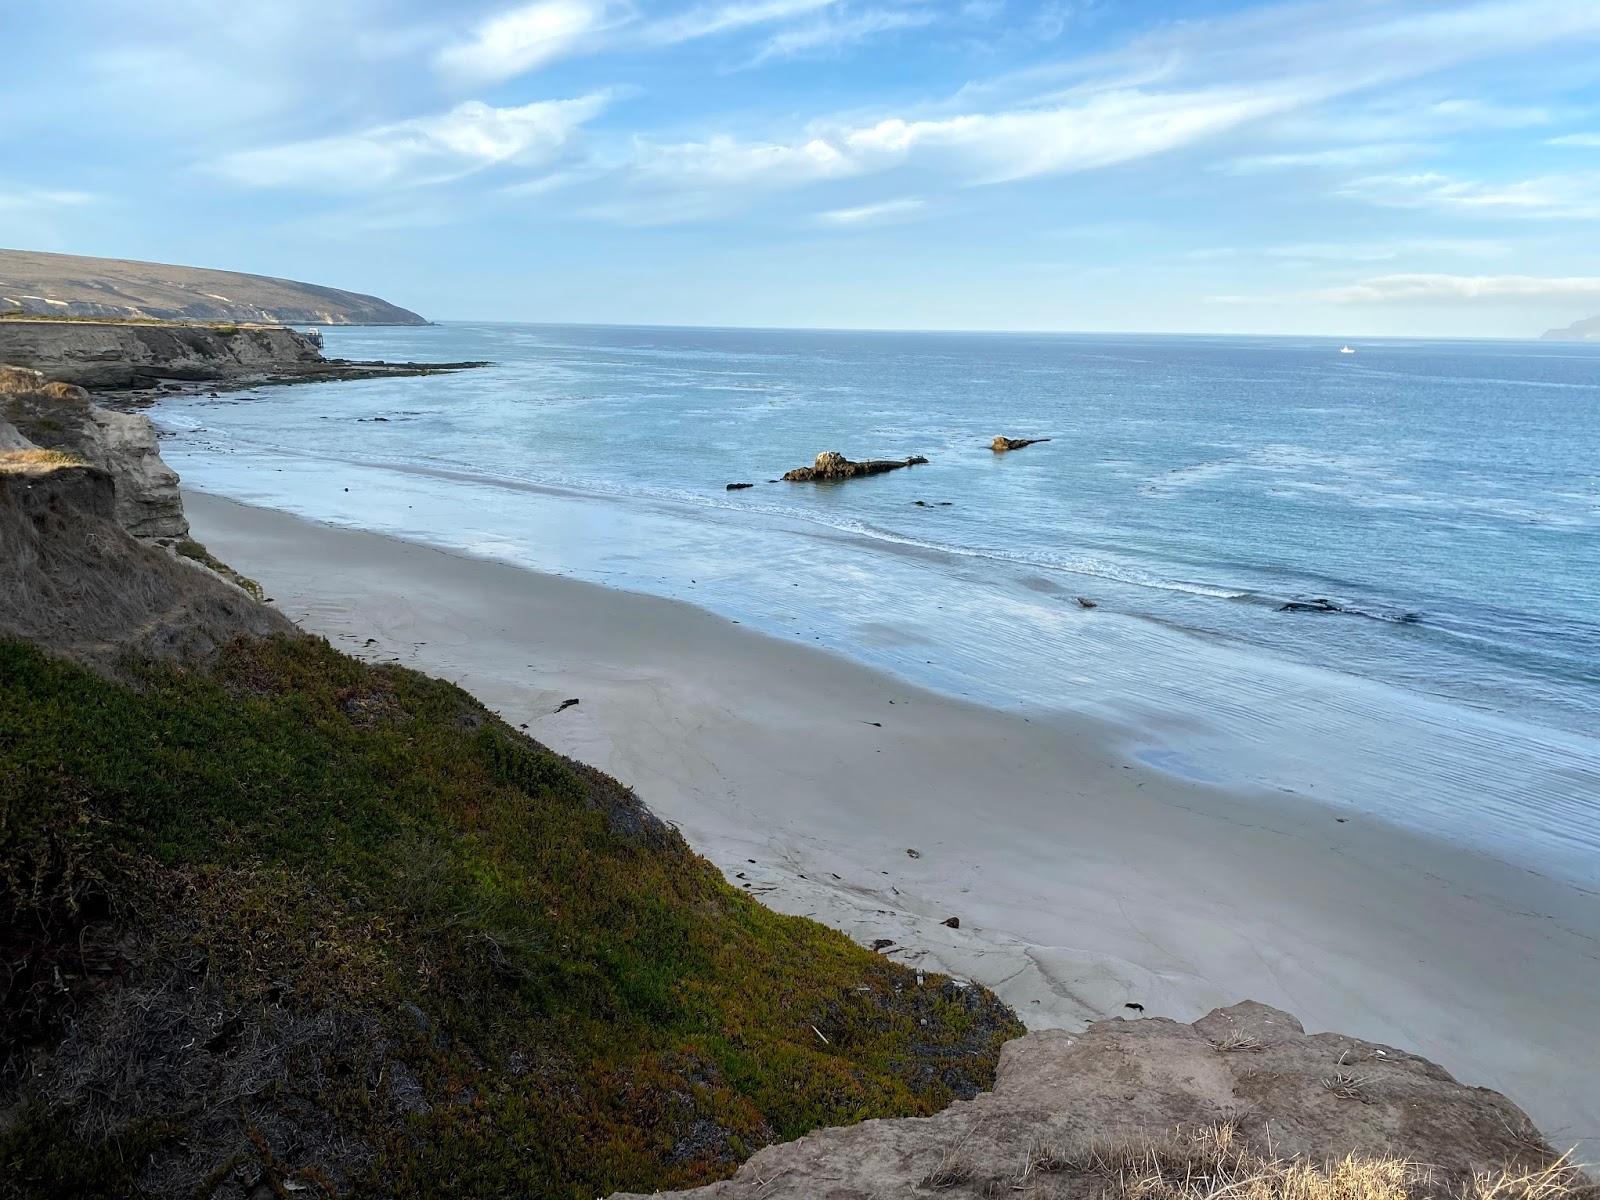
1085	602
913	853
739	487
565	704
830	465
882	943
951	922
1002	443
1138	1008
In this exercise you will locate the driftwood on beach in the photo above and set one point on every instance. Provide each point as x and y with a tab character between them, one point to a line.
831	464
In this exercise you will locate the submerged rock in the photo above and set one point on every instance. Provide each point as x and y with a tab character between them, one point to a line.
1320	605
1230	1095
739	487
1002	443
831	464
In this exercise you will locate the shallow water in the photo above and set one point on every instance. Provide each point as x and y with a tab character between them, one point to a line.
1446	494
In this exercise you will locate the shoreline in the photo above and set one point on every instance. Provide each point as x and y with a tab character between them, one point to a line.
1082	879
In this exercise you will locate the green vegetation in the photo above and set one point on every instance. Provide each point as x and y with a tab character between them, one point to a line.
297	919
191	549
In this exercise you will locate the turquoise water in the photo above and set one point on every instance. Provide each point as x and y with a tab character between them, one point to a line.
1445	495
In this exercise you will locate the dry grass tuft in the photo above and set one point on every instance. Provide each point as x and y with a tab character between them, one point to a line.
1215	1164
1348	1086
1235	1042
952	1170
1559	1180
37	462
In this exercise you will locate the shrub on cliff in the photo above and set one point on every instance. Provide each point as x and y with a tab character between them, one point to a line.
301	924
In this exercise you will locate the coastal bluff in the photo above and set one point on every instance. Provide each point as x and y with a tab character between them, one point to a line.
1242	1100
70	285
119	355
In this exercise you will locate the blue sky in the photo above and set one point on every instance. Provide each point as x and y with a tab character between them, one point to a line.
1356	168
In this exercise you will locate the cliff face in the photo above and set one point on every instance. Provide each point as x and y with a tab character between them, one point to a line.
73	581
59	416
118	356
68	285
1578	331
1100	1113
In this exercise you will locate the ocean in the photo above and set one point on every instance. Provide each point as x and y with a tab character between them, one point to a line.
1445	496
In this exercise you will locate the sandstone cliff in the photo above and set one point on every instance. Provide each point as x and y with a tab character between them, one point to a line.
1160	1109
109	355
68	285
74	582
59	416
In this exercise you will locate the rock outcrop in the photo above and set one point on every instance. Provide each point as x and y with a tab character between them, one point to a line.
59	416
831	465
110	355
68	285
1061	1099
1002	443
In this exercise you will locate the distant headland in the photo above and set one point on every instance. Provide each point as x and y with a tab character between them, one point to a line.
33	283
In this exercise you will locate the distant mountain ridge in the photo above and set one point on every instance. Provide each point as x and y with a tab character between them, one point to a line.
41	284
1578	331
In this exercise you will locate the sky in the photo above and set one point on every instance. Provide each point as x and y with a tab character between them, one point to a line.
1360	168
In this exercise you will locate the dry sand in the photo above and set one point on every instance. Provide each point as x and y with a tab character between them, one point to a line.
1082	880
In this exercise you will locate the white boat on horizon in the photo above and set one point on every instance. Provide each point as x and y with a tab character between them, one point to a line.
1347	350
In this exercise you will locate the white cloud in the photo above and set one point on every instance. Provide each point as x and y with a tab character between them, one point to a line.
1401	289
523	38
709	20
871	214
31	200
831	31
1100	130
1574	196
1387	251
469	138
1333	158
1575	139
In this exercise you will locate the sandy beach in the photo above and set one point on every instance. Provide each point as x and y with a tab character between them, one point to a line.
1082	881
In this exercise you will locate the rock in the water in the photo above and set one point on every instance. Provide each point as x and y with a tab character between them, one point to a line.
1320	605
951	922
1002	443
739	487
1085	602
831	464
1064	1103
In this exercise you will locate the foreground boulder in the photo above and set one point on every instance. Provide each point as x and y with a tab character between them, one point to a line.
1002	443
1157	1108
831	464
